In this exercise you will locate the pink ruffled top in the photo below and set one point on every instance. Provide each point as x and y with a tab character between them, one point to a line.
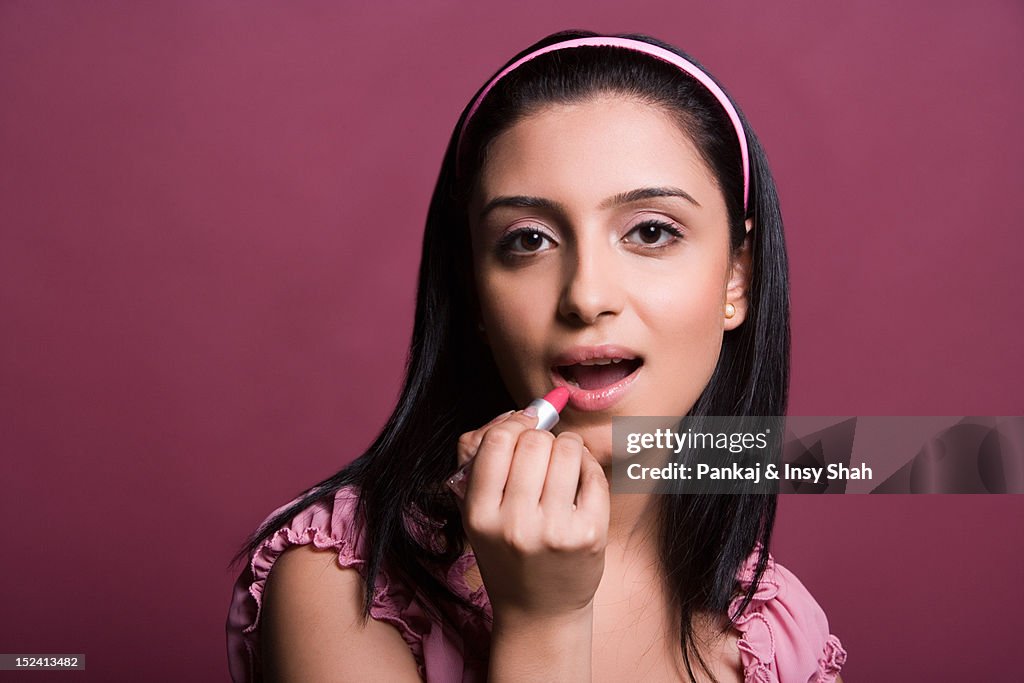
784	633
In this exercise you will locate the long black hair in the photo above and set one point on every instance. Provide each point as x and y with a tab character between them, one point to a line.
452	384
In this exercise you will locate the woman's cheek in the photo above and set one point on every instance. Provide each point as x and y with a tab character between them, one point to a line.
688	330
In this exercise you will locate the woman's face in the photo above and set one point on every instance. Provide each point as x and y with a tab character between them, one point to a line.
602	263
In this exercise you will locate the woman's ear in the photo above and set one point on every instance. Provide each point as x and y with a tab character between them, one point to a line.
736	300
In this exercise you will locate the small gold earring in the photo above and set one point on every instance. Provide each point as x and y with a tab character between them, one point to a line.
730	310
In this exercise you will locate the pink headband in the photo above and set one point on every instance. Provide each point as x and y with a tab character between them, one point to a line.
638	46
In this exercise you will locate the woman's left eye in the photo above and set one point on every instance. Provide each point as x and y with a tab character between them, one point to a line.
653	233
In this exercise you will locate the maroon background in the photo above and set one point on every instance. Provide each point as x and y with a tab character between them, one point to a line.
211	225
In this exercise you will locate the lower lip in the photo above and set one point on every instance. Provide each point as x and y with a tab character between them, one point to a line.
591	400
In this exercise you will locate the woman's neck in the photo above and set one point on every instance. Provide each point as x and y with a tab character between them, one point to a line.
633	520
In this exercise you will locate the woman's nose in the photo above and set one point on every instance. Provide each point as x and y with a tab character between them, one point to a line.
592	286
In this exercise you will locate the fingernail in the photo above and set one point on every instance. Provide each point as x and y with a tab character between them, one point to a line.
530	411
457	482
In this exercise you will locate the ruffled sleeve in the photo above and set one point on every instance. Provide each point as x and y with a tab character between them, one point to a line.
327	525
784	632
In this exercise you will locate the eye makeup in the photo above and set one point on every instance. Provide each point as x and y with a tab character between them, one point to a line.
507	244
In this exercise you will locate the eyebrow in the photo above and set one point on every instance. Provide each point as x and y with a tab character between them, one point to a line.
521	201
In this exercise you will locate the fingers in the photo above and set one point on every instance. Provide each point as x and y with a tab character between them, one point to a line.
493	460
563	473
593	501
529	468
524	421
509	455
469	442
515	466
497	445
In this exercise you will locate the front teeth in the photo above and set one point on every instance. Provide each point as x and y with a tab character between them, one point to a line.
601	361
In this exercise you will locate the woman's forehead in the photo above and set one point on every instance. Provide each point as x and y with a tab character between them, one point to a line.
594	149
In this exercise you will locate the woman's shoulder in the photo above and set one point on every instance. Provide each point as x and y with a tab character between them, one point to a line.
334	524
331	523
785	633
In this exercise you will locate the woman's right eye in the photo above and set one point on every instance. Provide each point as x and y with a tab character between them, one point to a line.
524	241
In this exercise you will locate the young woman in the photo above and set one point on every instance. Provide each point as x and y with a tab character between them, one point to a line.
604	220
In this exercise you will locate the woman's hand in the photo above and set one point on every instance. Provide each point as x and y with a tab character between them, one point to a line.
536	513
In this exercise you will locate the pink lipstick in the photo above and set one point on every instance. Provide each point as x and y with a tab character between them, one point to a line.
546	409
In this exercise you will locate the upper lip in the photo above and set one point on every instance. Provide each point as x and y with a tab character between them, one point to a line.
579	354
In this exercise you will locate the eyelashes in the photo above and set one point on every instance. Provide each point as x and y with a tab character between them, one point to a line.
530	240
659	227
515	242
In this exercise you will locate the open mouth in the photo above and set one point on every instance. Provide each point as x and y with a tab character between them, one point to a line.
598	373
